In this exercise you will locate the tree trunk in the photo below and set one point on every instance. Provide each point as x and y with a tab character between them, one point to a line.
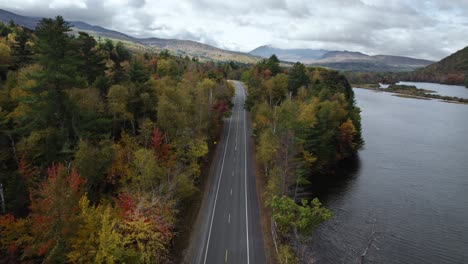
13	147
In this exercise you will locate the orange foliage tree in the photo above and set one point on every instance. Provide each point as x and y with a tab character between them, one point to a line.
54	209
147	222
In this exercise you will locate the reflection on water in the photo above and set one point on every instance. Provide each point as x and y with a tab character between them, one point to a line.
324	186
406	196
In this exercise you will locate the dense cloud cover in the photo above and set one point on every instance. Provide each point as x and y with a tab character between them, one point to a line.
424	29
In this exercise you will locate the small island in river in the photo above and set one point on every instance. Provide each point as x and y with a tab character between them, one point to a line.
411	91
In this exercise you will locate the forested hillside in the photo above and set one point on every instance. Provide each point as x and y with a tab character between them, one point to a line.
100	149
180	47
450	70
305	121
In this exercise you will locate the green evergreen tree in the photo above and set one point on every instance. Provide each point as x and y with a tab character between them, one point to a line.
21	50
272	64
91	62
138	73
51	107
119	55
297	77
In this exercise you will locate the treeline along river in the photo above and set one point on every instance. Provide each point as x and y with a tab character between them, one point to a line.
405	197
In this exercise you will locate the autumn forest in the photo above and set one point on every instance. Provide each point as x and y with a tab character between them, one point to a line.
102	149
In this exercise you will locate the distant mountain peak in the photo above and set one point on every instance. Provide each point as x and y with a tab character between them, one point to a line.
291	55
344	53
175	46
342	59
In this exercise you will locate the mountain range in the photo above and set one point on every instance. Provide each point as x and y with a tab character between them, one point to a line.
175	46
340	60
343	60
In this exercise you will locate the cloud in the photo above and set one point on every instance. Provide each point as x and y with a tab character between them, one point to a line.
137	3
67	4
424	29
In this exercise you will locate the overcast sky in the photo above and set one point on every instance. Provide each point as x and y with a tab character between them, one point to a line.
417	28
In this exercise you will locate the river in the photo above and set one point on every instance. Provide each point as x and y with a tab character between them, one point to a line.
442	89
406	196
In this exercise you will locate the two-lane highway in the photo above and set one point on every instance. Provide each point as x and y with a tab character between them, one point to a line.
228	226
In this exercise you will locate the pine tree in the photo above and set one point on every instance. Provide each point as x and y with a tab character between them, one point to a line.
297	78
21	49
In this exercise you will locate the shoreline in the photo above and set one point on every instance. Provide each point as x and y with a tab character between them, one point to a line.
408	94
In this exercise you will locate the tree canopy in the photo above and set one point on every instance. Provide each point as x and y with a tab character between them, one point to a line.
305	122
100	148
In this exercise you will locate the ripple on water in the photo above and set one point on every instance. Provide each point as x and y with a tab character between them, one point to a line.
409	186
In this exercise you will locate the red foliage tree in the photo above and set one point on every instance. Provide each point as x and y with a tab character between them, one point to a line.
28	173
454	79
267	73
54	209
126	205
14	234
162	151
147	221
221	108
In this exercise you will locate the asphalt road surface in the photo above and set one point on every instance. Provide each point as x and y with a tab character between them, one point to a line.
228	228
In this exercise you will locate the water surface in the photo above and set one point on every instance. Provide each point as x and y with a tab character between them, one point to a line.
407	192
442	89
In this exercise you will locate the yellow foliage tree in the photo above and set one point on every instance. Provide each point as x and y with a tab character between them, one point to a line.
97	240
5	54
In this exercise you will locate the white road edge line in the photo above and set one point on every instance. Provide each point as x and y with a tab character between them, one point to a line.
237	129
229	218
225	256
245	181
217	190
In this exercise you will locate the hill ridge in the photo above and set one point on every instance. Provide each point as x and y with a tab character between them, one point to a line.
344	59
180	47
452	69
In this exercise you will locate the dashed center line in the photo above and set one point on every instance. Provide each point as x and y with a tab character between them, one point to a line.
239	190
